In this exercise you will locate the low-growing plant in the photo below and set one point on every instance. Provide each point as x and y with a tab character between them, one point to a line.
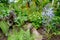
21	35
4	27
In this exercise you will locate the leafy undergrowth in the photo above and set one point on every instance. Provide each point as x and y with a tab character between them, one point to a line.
21	35
23	20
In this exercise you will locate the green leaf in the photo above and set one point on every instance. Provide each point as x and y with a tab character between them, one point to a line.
4	26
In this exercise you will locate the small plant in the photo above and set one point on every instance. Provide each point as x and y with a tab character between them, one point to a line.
22	35
4	27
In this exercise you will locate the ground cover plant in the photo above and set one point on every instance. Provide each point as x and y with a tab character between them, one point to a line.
29	19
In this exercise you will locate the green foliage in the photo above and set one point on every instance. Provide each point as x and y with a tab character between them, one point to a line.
4	26
22	35
57	8
25	14
53	26
3	1
28	10
35	18
3	10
